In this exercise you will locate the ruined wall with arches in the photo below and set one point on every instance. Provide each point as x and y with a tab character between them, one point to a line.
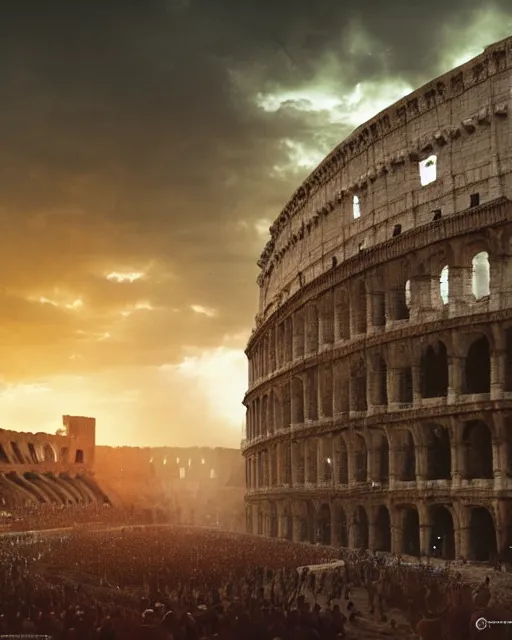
38	468
379	408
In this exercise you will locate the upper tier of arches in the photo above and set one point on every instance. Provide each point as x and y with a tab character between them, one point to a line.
372	186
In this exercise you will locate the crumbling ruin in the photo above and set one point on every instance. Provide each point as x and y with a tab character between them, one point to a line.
379	408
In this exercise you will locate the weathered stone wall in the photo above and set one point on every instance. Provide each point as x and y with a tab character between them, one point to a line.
41	467
462	117
379	408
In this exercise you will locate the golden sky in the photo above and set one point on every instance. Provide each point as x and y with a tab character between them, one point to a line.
145	149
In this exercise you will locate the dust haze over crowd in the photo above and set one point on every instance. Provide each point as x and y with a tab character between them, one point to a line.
146	148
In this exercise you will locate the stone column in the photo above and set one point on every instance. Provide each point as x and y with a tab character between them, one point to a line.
350	460
393	454
279	464
416	382
319	461
396	517
297	527
497	373
298	335
455	367
425	532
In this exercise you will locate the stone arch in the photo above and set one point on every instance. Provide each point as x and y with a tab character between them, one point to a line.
359	308
477	366
444	284
357	385
324	524
478	454
438	451
18	457
341	460
442	536
382	529
434	371
480	275
379	382
361	528
49	454
341	525
410	521
405	453
399	290
482	535
297	400
360	458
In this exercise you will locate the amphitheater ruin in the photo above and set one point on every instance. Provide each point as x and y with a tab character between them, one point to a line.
379	407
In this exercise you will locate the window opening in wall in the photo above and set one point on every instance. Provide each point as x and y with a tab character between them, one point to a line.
213	474
428	170
356	207
474	199
444	288
334	262
79	456
480	285
408	293
397	230
437	214
182	473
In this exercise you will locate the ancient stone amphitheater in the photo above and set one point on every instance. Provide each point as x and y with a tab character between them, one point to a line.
379	408
43	468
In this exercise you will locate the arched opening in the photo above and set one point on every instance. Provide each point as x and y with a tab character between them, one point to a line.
274	523
477	443
17	452
442	538
478	367
342	527
49	453
480	281
380	382
342	315
439	457
324	524
327	470
406	467
356	207
434	371
297	400
411	532
400	309
482	535
312	461
383	450
408	293
299	334
358	386
405	392
4	458
444	285
361	528
382	530
342	461
79	456
33	453
360	459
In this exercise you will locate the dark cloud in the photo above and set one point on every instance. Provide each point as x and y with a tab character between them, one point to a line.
134	139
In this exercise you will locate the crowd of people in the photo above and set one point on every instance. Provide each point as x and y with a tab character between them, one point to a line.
177	583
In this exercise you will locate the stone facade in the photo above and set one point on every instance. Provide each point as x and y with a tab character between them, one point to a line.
44	468
379	408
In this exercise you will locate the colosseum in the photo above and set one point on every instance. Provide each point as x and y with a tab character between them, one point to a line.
379	407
